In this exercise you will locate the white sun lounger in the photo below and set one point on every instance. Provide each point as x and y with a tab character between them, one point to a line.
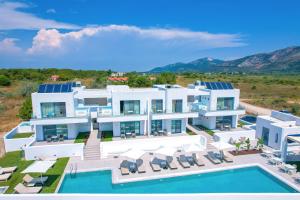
5	177
171	163
211	156
30	181
197	160
21	189
4	170
154	165
183	161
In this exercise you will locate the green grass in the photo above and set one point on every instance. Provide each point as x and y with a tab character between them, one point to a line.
189	132
82	137
14	159
107	136
22	135
241	124
54	175
203	128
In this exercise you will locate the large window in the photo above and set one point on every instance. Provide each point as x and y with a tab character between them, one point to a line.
55	130
157	105
225	103
176	126
223	121
177	106
156	125
130	127
130	107
95	101
50	110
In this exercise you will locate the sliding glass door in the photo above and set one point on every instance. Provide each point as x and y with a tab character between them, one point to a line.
53	109
55	130
177	106
130	127
130	107
176	126
156	125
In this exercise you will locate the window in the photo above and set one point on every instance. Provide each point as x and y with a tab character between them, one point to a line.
157	105
225	103
95	101
51	110
130	107
177	106
223	121
176	126
55	130
156	125
276	138
190	98
130	127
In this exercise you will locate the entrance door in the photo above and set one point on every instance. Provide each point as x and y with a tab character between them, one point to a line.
265	135
95	124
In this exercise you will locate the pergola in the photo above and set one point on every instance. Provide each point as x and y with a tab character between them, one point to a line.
295	138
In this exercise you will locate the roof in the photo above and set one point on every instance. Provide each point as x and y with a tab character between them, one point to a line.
56	88
216	85
117	78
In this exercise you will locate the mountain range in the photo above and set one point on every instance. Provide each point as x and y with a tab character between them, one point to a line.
285	60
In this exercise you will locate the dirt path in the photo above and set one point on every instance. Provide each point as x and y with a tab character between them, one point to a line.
256	110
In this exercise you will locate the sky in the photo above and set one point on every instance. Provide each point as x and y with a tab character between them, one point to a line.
138	35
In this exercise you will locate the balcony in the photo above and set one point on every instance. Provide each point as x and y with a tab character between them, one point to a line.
205	111
171	115
105	114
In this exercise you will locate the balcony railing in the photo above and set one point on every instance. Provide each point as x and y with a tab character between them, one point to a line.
200	107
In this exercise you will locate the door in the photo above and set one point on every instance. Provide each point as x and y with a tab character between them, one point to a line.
265	135
95	124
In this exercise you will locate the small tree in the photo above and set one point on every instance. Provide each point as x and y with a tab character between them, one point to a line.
4	80
237	147
26	110
248	144
260	143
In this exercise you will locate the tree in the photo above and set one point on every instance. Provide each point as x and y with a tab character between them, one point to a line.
248	144
166	78
26	109
4	81
237	146
260	143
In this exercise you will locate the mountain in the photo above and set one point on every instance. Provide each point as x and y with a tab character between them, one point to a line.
282	60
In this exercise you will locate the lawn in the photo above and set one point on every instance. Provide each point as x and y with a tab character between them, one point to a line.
82	137
189	132
107	136
14	159
208	131
241	123
22	135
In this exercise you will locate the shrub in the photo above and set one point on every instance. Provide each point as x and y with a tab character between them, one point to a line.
2	108
4	81
26	110
27	88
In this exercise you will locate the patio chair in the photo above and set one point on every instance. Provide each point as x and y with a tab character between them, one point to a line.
183	161
4	170
133	134
155	133
197	160
21	189
213	158
48	138
165	133
123	136
124	168
227	157
30	181
155	165
5	177
61	137
141	168
171	163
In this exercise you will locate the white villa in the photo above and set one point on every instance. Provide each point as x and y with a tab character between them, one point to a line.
66	109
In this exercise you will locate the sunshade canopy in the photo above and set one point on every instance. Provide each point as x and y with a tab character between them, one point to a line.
168	151
39	167
133	154
222	145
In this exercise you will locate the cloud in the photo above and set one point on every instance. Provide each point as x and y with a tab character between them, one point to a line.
11	18
51	11
53	40
8	46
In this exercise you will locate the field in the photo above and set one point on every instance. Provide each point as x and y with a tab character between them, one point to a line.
270	91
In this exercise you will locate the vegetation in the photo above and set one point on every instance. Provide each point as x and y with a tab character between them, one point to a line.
107	136
14	159
208	131
241	123
260	143
22	135
82	137
297	163
25	111
189	132
238	146
248	144
4	81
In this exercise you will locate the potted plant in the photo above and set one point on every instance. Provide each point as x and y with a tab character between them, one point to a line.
248	144
260	144
237	147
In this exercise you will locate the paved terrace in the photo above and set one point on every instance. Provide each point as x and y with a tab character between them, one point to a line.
114	163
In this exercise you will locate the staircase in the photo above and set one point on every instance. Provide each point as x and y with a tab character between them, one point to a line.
209	138
92	147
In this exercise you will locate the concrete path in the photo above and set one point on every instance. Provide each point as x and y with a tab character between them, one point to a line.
208	137
256	110
92	147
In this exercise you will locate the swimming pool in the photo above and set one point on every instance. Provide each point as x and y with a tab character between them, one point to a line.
241	180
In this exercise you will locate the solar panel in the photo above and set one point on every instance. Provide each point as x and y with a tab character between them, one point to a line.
56	88
217	85
49	88
230	86
64	88
42	88
214	86
225	86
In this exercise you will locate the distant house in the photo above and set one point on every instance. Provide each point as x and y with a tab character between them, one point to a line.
54	77
118	74
118	79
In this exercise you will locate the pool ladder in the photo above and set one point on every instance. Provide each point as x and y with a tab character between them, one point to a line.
73	170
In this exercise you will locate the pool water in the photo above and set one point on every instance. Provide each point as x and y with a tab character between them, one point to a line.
242	180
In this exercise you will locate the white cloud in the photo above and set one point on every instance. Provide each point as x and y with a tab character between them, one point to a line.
51	11
8	46
11	18
52	39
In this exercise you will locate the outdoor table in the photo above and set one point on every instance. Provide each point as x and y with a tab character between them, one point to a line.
128	134
54	138
160	132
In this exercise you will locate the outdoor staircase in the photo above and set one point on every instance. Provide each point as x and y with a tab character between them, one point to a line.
203	133
92	147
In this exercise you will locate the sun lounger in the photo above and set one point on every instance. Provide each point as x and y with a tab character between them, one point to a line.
197	160
183	161
171	163
4	170
21	189
227	157
5	177
155	165
211	156
141	168
30	181
124	168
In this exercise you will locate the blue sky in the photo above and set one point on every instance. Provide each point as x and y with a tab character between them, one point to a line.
139	35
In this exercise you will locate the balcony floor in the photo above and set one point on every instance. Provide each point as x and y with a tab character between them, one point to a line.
43	143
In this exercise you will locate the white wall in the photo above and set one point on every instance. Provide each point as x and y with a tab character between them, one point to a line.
214	94
235	135
59	151
208	122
